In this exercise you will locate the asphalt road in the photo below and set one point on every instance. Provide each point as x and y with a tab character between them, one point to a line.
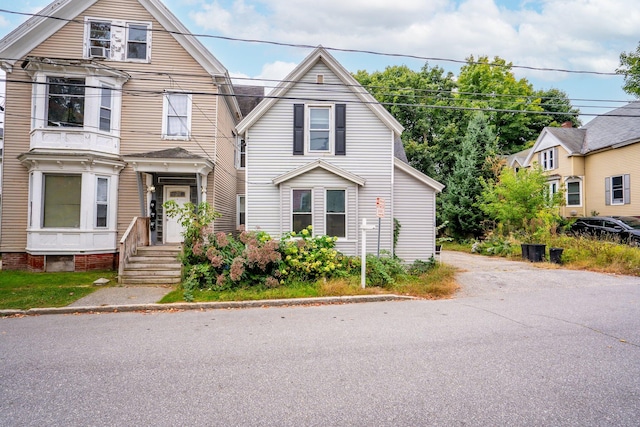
519	346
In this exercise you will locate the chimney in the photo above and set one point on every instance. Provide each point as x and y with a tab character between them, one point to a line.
567	125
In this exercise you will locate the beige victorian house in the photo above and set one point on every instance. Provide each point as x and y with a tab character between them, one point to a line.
597	165
112	109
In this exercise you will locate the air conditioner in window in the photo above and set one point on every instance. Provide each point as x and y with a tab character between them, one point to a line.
98	52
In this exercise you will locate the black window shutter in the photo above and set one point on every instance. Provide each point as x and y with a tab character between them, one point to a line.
341	125
298	129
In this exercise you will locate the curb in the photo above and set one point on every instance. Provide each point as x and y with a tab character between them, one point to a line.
207	305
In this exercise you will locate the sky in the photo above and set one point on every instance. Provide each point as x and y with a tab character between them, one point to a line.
574	35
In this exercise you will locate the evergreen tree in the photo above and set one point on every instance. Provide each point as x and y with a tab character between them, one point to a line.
472	164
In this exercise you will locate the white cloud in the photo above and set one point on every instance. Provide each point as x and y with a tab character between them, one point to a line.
574	34
269	77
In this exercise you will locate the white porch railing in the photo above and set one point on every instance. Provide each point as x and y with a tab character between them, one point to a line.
136	235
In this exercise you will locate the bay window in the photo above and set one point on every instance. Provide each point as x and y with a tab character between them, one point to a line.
65	102
102	201
61	201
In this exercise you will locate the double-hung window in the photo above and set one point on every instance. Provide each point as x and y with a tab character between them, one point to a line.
61	204
241	211
336	217
319	129
617	189
242	154
99	39
105	108
177	115
547	159
573	193
137	42
302	214
102	201
65	102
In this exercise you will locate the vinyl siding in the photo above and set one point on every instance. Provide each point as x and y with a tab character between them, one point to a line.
320	180
171	68
598	166
414	208
270	147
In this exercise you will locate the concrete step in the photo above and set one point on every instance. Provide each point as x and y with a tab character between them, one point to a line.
172	265
152	260
150	280
153	265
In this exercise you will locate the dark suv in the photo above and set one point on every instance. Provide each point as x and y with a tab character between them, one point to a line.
625	228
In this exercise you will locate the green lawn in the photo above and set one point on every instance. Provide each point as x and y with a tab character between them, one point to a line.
24	290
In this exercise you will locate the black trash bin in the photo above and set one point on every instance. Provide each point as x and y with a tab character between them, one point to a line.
525	250
555	255
536	252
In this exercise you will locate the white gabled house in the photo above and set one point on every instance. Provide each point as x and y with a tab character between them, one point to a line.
321	151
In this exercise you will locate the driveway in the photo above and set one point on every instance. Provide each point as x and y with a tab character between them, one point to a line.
488	276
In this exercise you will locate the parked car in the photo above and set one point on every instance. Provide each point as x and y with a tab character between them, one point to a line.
625	228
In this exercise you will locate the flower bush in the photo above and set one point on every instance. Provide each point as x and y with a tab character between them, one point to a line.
219	261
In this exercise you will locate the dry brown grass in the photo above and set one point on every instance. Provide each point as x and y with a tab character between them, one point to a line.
437	283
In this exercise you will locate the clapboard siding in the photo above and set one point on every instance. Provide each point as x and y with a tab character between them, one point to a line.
171	68
270	147
224	173
414	208
15	180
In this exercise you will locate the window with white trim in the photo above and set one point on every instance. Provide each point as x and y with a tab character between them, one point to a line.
177	115
242	154
319	129
574	193
65	102
61	201
548	160
552	189
106	98
617	190
102	202
99	39
302	215
336	215
137	42
241	221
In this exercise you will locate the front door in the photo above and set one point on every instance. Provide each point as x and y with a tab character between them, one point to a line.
172	228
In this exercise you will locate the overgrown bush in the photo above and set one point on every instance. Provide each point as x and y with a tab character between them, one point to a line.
219	261
384	270
494	245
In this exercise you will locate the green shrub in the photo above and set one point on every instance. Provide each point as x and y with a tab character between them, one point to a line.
384	270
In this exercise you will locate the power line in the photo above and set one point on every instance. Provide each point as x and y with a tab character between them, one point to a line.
450	94
334	49
154	93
